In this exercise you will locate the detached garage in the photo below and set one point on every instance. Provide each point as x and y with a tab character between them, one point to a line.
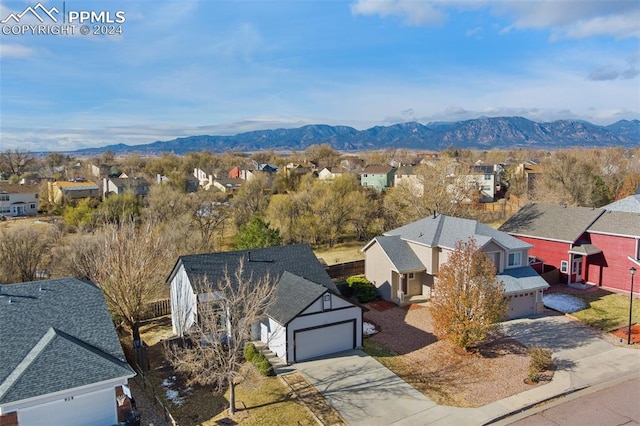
309	321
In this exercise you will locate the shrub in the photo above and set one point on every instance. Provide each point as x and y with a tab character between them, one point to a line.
250	352
263	365
534	375
540	358
364	290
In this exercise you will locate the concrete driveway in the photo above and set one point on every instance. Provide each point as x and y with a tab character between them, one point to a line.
362	390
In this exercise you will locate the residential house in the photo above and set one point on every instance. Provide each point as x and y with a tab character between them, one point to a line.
119	186
68	191
630	204
352	164
484	179
330	173
308	319
529	171
406	176
62	363
19	200
403	263
228	186
205	177
559	238
378	177
191	184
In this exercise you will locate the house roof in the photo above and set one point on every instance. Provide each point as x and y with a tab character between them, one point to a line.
297	259
617	223
630	204
129	182
405	170
551	222
56	335
20	189
400	254
230	182
373	169
445	231
293	295
517	280
75	186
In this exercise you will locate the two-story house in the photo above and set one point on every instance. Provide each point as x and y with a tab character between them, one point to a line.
378	177
403	263
137	185
69	191
19	200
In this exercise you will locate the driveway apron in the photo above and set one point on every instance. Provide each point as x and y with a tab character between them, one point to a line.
362	390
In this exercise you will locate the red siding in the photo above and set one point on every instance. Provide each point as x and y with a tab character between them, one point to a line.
551	252
613	270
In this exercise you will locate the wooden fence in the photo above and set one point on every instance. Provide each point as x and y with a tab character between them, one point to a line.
342	270
157	309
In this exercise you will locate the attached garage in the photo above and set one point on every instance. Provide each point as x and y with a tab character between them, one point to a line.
521	305
523	289
323	340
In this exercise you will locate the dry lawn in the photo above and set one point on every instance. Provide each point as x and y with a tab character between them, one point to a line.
406	345
340	253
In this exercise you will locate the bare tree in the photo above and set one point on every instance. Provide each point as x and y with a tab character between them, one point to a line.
468	301
25	251
16	162
226	312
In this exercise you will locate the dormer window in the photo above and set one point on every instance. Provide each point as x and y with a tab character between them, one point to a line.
515	259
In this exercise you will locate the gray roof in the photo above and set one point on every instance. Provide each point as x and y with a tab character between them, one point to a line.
135	182
445	231
517	280
56	335
617	223
298	259
630	204
551	222
293	295
400	254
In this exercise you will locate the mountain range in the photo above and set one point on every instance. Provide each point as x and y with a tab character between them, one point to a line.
481	133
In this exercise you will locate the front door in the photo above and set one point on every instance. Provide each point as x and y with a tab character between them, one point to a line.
576	269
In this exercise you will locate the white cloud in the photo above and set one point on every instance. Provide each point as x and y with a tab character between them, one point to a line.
15	51
411	12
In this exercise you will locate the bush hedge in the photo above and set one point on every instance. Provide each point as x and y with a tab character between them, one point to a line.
257	358
364	290
250	352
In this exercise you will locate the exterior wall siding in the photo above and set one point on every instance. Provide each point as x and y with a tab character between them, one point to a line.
611	269
551	252
274	336
425	254
377	269
183	303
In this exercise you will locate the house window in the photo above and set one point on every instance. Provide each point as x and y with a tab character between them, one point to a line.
515	259
5	209
411	276
487	177
4	197
486	187
326	302
32	206
564	266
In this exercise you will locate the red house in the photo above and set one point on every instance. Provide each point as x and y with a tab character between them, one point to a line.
586	245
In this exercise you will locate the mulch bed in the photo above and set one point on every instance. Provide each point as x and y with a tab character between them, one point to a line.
413	307
381	305
622	333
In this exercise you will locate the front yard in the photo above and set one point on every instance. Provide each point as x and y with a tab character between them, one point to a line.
406	345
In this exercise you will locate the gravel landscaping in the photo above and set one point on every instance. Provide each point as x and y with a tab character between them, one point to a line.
492	371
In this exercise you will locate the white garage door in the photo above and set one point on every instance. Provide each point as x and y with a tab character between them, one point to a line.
521	305
315	342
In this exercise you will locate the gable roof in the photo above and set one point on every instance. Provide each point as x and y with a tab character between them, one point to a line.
20	188
293	295
400	254
135	182
525	278
377	169
617	223
445	231
630	204
56	335
297	259
558	223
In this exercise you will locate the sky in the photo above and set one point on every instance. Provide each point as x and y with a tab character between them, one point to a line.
179	68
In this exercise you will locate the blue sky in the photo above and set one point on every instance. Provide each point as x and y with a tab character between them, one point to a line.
223	67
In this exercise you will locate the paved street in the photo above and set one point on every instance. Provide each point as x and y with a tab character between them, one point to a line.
616	405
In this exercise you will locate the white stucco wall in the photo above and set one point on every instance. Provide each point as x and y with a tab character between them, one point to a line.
274	336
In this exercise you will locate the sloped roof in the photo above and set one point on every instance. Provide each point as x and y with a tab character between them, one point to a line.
445	231
551	222
129	182
630	204
56	335
375	169
617	223
75	186
293	295
400	254
517	280
297	259
20	189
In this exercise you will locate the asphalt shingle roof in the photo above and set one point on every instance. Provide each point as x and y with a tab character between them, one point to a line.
445	231
400	254
517	280
630	204
551	222
56	335
293	295
298	259
617	223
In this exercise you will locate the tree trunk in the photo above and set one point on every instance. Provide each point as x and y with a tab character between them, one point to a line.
232	398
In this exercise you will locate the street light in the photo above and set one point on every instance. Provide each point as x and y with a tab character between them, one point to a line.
632	271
